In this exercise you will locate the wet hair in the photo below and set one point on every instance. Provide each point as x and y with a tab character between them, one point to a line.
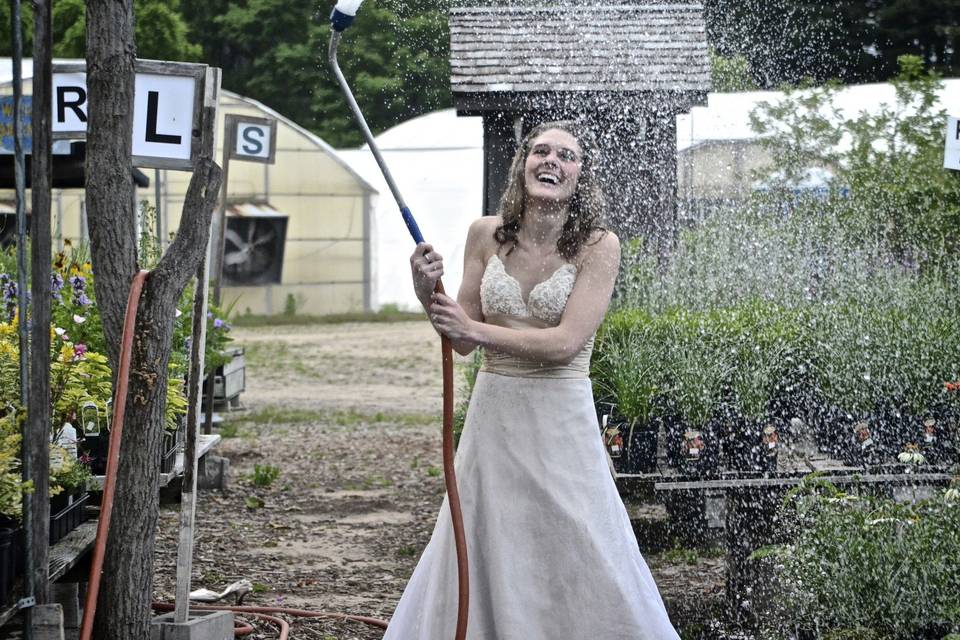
586	205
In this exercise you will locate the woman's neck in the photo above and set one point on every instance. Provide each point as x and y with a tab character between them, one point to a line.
542	225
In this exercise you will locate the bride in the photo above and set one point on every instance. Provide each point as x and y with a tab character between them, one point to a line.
552	553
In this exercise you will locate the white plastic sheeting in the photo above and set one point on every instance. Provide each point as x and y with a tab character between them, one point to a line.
437	162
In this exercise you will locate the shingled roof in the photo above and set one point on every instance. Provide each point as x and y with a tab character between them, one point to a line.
635	48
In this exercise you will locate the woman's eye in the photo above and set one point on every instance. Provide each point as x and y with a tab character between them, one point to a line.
568	156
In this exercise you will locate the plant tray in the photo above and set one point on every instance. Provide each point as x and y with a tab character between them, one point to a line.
9	552
69	518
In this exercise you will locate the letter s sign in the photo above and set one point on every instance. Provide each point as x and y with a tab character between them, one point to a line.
253	140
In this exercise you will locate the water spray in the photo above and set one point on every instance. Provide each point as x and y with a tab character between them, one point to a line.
341	18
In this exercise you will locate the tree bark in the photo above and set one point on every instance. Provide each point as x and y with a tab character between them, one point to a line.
39	406
111	55
123	606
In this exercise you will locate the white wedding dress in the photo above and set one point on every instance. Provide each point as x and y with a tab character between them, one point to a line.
551	551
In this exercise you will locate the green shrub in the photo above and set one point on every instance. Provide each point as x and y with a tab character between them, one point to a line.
861	562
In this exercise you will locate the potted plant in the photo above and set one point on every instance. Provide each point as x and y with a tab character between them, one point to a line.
12	488
69	479
752	437
627	373
699	369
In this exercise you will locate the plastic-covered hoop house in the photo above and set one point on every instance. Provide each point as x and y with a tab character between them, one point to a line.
437	162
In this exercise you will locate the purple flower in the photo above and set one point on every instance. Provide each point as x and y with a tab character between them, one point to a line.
82	300
78	283
56	283
218	323
79	350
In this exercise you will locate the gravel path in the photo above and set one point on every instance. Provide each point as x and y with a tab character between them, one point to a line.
346	417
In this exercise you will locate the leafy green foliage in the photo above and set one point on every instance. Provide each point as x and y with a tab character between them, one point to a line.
866	563
788	41
160	30
889	190
395	57
12	486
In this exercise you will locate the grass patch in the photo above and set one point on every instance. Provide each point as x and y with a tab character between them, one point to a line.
228	429
681	555
274	414
387	314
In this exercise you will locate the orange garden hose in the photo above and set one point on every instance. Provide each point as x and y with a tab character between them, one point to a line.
113	455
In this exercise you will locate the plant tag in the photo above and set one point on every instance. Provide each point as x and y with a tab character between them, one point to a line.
695	452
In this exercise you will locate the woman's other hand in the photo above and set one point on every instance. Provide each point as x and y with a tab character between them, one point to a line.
449	318
427	267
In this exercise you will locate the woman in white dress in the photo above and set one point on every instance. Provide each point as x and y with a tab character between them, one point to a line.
551	550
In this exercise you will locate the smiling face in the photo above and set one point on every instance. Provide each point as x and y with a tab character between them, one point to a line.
553	166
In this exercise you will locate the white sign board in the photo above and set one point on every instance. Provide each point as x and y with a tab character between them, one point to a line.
163	115
951	148
69	103
254	139
167	110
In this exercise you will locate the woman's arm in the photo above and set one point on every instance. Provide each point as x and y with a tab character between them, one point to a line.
427	268
554	345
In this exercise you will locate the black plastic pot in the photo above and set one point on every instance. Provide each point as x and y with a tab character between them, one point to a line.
68	517
9	552
745	447
642	450
96	449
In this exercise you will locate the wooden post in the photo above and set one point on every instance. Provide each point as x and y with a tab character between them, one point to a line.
215	256
188	505
38	412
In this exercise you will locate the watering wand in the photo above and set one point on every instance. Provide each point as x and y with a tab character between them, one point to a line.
341	18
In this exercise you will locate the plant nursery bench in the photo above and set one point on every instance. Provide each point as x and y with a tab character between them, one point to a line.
65	555
746	504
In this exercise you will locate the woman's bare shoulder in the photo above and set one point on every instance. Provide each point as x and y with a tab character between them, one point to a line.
601	242
481	233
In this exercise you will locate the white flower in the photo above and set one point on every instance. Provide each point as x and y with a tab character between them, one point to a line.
178	314
79	319
912	457
60	331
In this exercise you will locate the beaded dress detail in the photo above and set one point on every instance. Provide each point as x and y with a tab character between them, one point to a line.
500	295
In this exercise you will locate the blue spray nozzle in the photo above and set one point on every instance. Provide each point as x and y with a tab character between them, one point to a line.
344	13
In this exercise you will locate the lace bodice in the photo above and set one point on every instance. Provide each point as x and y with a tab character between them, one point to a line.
500	293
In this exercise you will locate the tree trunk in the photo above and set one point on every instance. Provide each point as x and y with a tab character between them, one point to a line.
111	54
123	607
39	409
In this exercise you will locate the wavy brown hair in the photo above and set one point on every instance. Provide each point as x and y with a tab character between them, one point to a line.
586	205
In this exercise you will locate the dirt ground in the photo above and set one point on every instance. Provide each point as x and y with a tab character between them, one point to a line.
335	481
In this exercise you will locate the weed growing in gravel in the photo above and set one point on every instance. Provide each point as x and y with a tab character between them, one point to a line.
264	474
